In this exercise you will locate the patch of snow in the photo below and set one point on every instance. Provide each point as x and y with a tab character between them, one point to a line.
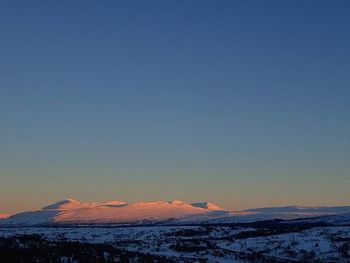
115	203
66	204
208	205
177	202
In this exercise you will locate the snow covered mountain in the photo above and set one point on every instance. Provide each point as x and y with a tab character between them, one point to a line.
292	212
69	211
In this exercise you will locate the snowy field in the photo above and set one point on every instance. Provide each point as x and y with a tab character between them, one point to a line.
209	243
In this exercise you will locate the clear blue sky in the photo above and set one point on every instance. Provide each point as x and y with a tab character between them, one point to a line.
243	103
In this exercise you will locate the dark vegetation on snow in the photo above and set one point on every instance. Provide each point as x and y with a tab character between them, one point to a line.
33	248
189	243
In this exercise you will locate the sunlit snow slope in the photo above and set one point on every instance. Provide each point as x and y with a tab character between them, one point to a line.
69	211
72	211
4	216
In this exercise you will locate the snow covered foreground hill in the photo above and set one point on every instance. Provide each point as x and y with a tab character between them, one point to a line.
69	211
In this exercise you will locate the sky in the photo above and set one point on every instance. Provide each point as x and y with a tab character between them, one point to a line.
242	103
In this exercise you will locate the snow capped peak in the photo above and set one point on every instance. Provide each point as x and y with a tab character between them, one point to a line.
135	212
64	205
69	211
208	206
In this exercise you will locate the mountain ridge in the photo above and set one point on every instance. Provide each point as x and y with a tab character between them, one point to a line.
70	211
73	211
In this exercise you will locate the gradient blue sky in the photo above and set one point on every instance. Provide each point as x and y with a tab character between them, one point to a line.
243	103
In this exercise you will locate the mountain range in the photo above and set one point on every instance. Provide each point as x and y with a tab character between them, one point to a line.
69	211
